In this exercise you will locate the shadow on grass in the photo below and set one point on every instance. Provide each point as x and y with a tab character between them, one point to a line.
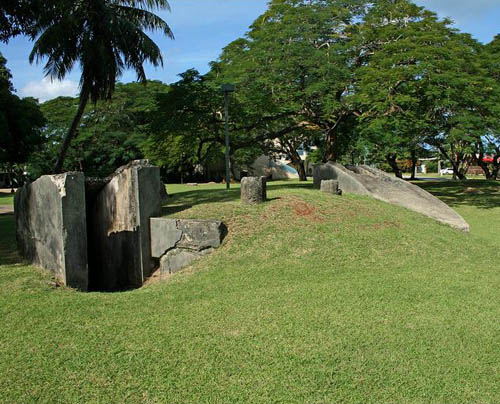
181	201
478	193
8	249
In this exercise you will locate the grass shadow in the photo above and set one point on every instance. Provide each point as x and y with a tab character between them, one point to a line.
8	248
185	200
478	193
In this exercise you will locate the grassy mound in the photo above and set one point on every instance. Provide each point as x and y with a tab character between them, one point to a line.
312	299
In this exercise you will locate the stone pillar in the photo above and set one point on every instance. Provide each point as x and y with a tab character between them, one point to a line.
51	227
253	190
330	187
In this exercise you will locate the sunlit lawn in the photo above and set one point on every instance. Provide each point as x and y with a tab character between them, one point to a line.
312	299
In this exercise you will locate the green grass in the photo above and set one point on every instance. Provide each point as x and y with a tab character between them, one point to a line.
311	299
6	198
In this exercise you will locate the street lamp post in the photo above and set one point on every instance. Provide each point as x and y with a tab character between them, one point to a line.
226	89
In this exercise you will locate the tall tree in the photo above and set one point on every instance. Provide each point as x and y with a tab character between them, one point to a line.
420	84
293	71
104	37
110	133
21	122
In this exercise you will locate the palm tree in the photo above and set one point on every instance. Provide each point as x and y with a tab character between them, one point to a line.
104	37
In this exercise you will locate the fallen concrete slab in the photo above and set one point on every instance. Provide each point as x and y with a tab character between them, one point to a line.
365	180
180	242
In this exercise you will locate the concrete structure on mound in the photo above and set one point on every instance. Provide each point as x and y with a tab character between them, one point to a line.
50	226
178	243
364	180
253	190
330	187
96	234
118	221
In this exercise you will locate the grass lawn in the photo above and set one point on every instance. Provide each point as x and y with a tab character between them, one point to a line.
312	299
6	198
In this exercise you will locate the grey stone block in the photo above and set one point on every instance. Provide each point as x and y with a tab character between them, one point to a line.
119	227
253	190
330	186
189	234
200	234
177	259
179	242
164	236
51	226
365	180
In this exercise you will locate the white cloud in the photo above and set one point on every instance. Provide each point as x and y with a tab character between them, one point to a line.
46	89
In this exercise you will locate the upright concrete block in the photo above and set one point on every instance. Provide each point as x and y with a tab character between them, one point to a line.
253	190
330	187
120	256
51	226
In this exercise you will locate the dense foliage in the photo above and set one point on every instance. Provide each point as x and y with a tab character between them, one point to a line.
21	123
382	82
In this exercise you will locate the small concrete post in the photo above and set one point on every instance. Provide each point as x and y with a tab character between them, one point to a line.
253	190
330	187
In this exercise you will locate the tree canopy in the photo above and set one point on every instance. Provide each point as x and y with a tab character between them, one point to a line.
21	122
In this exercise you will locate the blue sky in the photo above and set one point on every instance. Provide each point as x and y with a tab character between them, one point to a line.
203	27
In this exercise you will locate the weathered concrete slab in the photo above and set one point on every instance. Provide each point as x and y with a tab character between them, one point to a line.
176	260
253	190
364	180
179	242
199	235
330	187
120	254
164	236
51	226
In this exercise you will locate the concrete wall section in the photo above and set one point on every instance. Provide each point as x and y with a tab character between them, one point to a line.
51	228
119	256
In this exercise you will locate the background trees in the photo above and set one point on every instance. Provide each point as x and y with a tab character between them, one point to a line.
21	123
357	80
104	37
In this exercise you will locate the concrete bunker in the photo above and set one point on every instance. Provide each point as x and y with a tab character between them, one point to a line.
95	234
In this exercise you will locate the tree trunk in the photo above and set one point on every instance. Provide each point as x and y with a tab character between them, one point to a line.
391	159
298	163
454	163
84	98
330	147
496	167
302	170
480	162
414	162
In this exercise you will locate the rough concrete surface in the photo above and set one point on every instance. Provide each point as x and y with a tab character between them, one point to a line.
364	180
253	190
51	228
330	186
164	236
119	227
179	242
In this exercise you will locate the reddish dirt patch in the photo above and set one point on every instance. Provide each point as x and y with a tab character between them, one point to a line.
386	224
303	209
